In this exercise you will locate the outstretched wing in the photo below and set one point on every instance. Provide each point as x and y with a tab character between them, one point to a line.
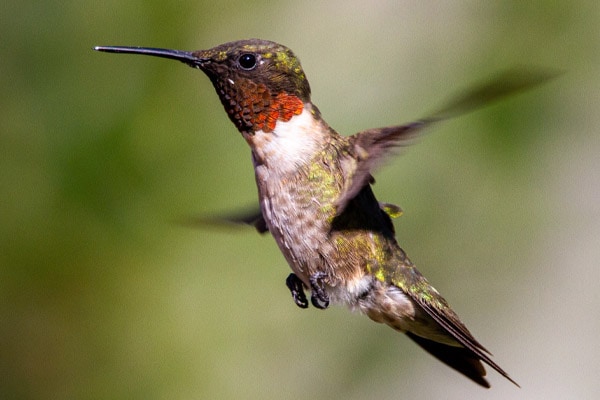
370	147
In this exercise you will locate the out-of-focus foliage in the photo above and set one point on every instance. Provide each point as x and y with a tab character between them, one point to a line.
104	295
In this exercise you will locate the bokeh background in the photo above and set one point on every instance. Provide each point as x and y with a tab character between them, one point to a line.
103	295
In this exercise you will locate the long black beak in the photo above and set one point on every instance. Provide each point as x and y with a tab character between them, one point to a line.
186	57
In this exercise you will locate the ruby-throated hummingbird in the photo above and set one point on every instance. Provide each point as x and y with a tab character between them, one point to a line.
314	188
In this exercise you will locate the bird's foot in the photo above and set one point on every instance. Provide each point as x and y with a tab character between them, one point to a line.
318	297
297	289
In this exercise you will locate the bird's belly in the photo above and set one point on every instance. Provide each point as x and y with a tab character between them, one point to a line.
296	234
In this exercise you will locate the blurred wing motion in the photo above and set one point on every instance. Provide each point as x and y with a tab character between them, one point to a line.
252	218
373	145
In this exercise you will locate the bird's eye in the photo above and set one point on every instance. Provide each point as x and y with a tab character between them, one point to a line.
247	61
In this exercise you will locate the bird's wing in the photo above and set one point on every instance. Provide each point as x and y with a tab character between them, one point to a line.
252	217
371	147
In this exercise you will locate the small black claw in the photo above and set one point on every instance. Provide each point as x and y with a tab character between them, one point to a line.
297	289
318	297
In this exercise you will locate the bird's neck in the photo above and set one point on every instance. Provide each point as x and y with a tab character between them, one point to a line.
292	143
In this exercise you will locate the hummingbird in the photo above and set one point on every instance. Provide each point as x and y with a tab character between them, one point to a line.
316	198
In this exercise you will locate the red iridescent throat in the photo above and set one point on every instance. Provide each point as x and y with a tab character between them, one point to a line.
255	108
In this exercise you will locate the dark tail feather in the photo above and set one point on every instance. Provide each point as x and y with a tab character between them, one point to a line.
460	358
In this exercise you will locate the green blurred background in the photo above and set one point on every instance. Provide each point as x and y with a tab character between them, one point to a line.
104	296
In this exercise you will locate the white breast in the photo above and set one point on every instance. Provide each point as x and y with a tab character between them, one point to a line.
290	144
